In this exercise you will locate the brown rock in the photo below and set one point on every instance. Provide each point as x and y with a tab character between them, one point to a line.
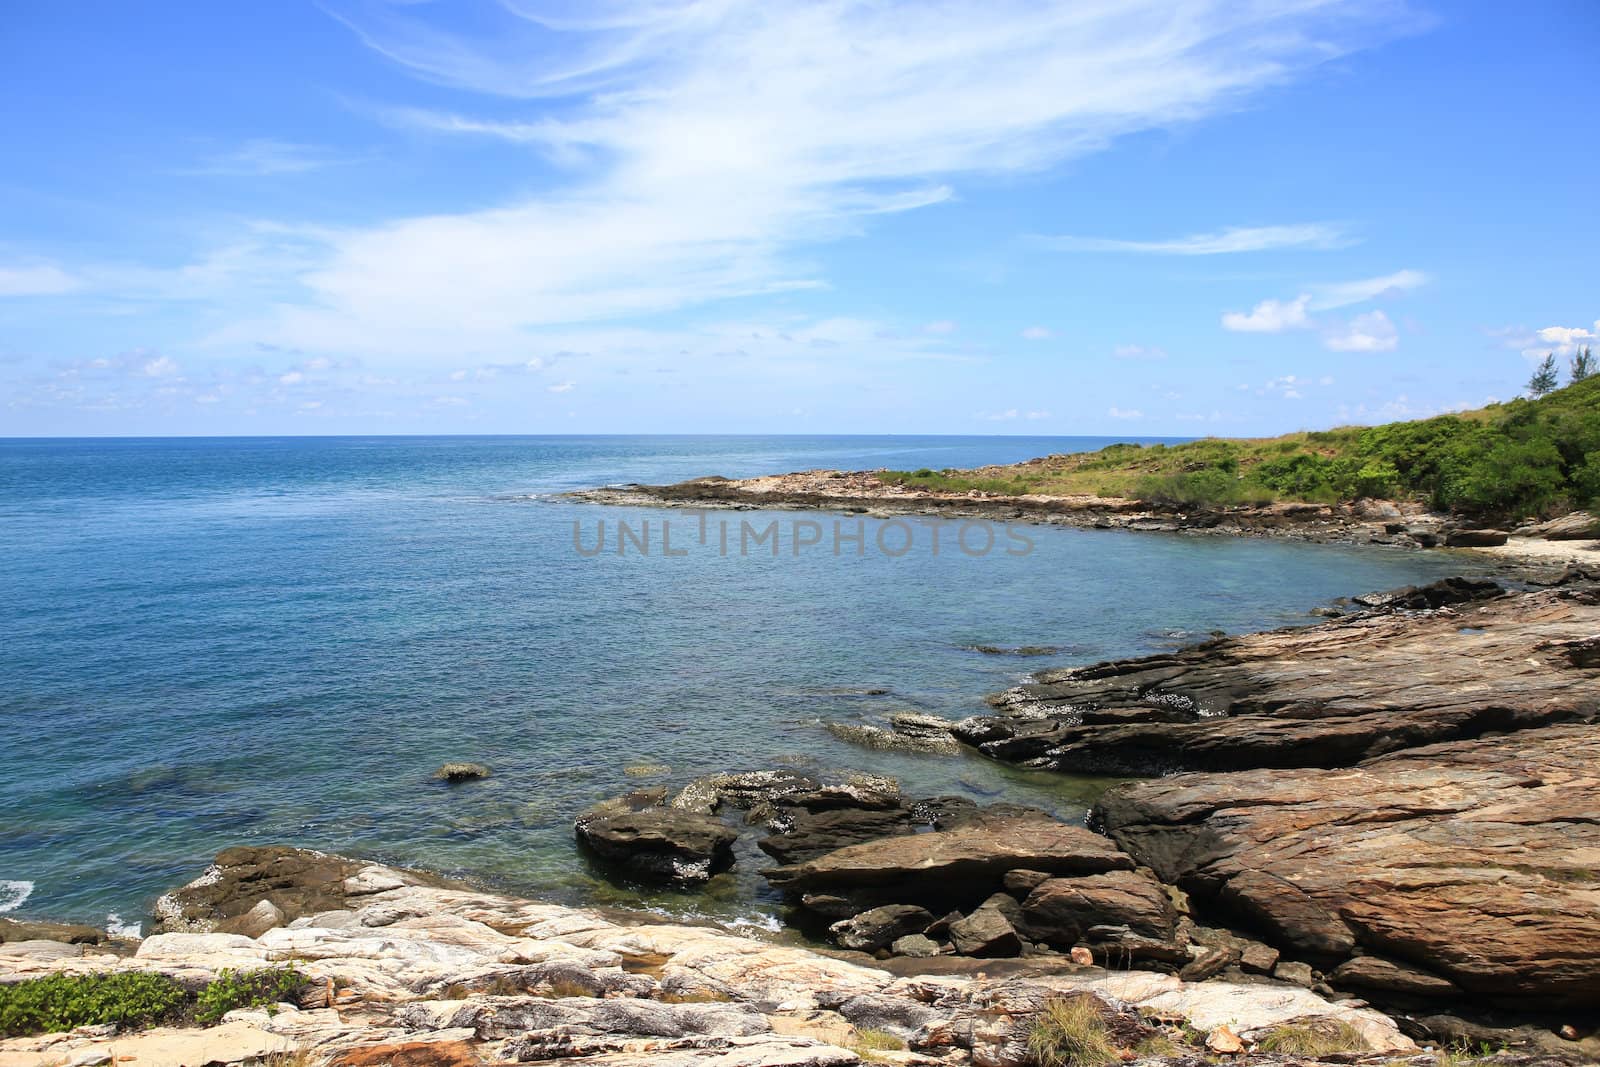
649	841
1330	695
1224	1041
295	881
967	862
985	933
410	1054
1478	857
1061	909
1375	972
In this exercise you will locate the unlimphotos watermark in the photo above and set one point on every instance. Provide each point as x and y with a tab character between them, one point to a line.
674	537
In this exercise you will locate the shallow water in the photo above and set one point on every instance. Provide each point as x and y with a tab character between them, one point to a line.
212	642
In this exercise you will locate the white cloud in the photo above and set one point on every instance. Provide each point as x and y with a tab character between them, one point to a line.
293	377
562	387
38	280
1316	235
704	144
1036	333
1371	332
940	327
1270	316
1560	341
262	158
160	367
1332	295
1139	352
1125	413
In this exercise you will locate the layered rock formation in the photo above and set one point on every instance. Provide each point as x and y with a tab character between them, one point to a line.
404	971
1322	696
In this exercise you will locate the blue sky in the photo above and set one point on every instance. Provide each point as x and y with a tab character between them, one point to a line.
1128	217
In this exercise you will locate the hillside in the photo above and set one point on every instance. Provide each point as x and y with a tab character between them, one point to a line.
1522	458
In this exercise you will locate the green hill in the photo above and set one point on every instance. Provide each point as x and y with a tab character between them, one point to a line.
1522	458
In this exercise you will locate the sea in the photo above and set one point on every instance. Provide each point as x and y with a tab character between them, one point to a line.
214	642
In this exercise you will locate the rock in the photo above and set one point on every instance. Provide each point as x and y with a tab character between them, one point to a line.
1060	910
1475	538
907	734
1299	974
295	881
1292	917
1082	956
1479	857
457	772
433	976
13	930
813	834
1257	958
1576	526
986	932
879	927
916	946
743	790
949	868
409	1054
1205	963
255	922
1330	695
1440	594
1224	1041
654	843
41	950
1375	972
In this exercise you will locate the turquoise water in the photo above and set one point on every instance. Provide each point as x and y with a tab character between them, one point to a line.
211	642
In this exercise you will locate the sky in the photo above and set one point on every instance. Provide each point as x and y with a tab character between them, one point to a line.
1127	217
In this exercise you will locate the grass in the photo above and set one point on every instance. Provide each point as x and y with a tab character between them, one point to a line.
1070	1033
868	1043
1514	460
134	999
1314	1039
696	996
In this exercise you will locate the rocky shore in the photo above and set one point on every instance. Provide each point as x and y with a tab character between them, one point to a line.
1360	522
1353	838
401	968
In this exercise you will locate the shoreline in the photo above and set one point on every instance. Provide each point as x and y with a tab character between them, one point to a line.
1365	522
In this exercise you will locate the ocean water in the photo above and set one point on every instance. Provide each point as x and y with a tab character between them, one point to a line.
214	642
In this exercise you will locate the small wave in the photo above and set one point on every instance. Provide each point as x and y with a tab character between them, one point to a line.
117	928
12	894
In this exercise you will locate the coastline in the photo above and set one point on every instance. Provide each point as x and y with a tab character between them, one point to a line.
1364	522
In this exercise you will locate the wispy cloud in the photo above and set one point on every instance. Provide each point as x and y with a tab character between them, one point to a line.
1331	295
1371	332
705	144
263	158
1316	235
36	280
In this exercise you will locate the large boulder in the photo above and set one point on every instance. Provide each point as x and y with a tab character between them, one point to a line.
1060	910
639	835
812	834
959	867
986	932
1474	861
880	927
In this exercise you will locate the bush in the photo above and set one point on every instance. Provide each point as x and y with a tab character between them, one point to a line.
247	989
1321	1038
64	1001
1071	1033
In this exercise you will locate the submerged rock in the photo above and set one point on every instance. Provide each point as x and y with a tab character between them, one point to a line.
461	772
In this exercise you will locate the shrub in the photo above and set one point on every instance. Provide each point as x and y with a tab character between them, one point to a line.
64	1001
247	989
1071	1033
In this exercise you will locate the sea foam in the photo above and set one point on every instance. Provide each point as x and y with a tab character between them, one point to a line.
117	928
12	894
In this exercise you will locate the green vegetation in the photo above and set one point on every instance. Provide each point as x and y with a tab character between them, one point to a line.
64	1001
1070	1033
869	1043
135	999
1506	461
1320	1039
246	989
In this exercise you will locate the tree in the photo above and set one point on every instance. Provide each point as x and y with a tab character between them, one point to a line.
1544	379
1582	366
